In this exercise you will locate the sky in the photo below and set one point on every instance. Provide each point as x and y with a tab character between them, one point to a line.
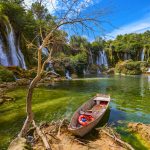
124	16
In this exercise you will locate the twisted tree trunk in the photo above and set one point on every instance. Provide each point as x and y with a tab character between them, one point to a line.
30	116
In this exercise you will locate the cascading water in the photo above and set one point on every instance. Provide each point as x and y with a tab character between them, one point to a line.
68	75
3	56
149	80
50	67
91	57
142	55
14	56
11	42
45	51
125	56
102	59
21	58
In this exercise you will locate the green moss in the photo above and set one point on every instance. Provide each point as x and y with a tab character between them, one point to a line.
6	75
132	139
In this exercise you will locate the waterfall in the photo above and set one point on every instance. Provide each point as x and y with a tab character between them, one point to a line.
102	59
129	56
91	57
142	55
21	58
3	56
50	67
148	71
11	43
14	56
148	78
125	56
68	75
45	51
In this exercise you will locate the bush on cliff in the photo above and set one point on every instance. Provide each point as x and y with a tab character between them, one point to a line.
130	67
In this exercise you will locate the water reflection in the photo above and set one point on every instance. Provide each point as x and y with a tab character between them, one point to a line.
142	86
148	77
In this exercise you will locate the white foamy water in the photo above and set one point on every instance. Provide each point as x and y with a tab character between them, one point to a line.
102	59
12	56
3	56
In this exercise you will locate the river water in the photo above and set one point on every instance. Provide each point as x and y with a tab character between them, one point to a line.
130	101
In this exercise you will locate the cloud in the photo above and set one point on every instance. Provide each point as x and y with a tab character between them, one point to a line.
139	26
50	4
55	5
84	4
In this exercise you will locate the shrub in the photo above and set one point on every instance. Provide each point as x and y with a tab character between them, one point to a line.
131	67
6	75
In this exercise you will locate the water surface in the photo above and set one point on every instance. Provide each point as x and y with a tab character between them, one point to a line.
130	102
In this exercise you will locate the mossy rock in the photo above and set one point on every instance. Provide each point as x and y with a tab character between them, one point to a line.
6	75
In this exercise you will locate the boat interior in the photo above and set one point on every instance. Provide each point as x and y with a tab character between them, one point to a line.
94	108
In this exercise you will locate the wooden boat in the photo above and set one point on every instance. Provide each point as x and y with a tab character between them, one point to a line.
96	107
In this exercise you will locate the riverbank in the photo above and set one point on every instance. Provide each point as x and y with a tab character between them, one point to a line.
142	132
59	138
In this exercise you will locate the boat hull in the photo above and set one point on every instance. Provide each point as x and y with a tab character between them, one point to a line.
80	130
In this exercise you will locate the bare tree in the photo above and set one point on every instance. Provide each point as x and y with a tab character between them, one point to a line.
69	14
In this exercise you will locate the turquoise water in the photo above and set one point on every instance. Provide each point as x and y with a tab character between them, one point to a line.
130	102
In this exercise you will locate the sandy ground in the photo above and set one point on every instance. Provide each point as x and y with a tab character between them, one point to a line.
64	140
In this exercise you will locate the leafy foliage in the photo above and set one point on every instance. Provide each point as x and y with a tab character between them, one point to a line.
131	67
6	75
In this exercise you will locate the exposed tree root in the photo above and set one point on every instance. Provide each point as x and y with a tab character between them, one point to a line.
118	140
58	134
42	136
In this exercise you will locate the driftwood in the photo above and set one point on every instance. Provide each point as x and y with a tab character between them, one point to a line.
43	137
118	140
58	134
